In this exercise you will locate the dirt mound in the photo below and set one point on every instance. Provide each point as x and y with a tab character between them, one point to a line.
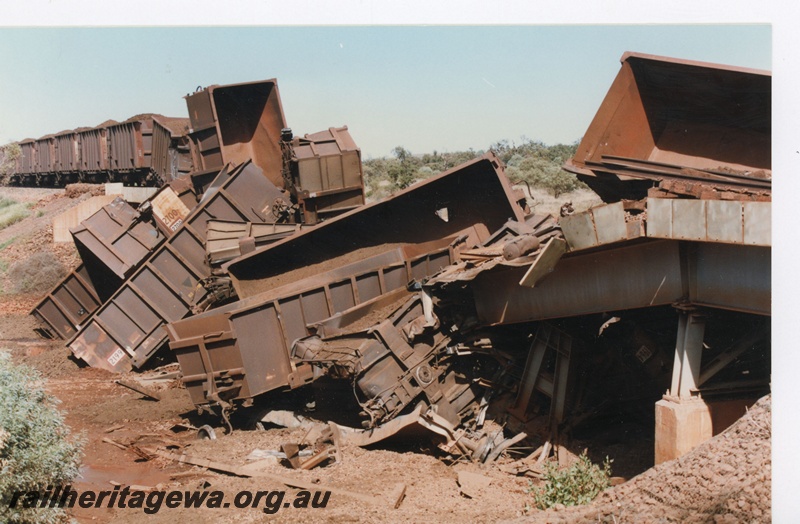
725	480
76	190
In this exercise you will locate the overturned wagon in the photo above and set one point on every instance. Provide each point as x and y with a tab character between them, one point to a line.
353	260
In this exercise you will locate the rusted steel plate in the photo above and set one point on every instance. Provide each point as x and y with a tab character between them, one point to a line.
66	152
68	304
717	221
112	243
116	238
246	345
346	261
127	329
235	123
228	240
666	118
325	173
630	276
621	278
477	195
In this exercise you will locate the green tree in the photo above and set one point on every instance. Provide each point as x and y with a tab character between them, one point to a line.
402	172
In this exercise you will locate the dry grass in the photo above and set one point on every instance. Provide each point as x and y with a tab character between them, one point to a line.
12	212
36	274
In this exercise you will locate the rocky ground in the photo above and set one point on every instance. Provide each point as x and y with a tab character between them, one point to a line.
727	479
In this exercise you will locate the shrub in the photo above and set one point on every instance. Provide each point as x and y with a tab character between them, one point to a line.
8	157
36	448
36	274
578	484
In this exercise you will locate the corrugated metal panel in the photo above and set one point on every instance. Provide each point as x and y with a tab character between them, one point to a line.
66	151
45	155
161	163
93	150
720	221
27	163
126	145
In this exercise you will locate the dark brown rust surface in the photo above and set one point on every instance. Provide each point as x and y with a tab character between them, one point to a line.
331	268
235	123
127	329
476	194
112	243
666	118
323	172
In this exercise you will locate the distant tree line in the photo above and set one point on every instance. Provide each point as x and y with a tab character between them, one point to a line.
530	162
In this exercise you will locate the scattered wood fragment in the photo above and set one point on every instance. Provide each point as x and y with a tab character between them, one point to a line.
135	449
565	457
316	460
496	452
115	443
397	495
147	392
545	453
114	428
242	471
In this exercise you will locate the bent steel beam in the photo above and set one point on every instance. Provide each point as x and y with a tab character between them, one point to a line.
632	275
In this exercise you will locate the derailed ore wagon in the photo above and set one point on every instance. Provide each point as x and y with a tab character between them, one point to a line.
112	309
537	324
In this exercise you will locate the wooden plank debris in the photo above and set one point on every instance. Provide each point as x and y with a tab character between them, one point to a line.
147	392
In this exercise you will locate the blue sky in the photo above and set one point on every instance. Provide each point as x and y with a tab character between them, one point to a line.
425	88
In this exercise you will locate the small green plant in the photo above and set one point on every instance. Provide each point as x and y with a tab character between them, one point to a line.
578	484
36	448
